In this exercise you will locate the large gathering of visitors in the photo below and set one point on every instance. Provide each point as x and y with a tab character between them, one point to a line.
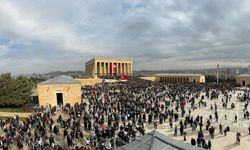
114	114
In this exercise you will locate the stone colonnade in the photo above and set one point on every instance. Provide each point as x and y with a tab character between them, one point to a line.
174	79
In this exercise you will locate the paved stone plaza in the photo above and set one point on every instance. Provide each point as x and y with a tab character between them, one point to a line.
220	141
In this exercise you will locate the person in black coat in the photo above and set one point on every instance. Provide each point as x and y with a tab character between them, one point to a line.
193	142
209	145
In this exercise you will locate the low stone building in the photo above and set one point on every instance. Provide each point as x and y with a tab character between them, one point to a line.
151	78
59	91
243	80
195	78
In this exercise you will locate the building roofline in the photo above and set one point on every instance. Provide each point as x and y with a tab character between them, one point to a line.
176	74
126	59
108	59
93	59
243	75
60	80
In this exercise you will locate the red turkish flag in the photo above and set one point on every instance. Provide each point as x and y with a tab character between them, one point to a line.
115	68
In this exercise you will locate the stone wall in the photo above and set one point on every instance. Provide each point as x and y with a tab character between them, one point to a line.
148	78
89	81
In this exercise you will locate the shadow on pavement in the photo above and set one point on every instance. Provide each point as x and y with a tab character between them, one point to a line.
231	146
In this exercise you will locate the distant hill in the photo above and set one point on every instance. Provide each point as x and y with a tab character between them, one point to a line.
74	74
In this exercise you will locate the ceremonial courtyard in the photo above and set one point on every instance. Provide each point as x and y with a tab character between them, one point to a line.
115	114
112	109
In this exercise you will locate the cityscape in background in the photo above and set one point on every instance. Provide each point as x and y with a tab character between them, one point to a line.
223	72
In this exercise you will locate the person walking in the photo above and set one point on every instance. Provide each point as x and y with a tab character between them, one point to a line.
220	127
238	138
185	136
209	145
175	130
235	119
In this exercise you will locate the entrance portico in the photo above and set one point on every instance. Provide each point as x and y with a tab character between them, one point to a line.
99	67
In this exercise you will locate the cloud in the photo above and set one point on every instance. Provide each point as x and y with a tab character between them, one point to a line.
41	36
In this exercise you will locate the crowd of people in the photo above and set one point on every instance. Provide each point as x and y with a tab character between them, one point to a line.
114	114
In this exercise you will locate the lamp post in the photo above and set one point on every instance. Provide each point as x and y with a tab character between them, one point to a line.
217	73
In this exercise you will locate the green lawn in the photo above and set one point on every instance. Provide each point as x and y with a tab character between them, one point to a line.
13	110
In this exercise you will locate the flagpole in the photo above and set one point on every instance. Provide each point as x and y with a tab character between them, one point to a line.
218	66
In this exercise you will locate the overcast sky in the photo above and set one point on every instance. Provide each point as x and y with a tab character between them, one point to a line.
46	35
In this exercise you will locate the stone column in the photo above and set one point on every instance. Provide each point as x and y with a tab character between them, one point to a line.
105	69
108	68
120	68
103	64
100	69
95	69
117	69
111	66
129	69
123	68
126	68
